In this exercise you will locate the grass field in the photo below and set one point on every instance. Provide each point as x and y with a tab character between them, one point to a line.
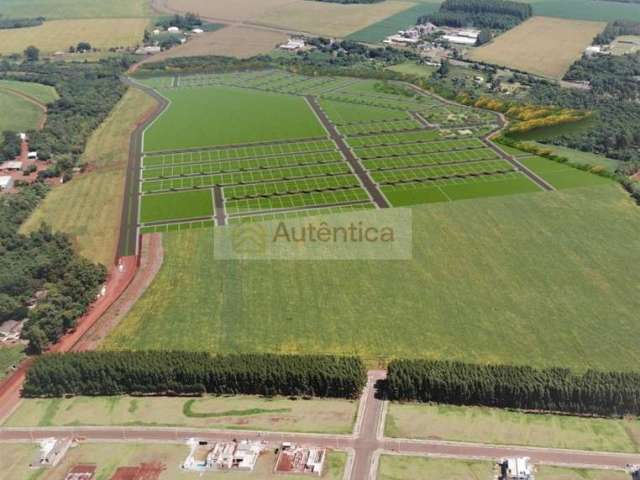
55	9
594	10
231	41
107	457
58	35
496	426
561	175
395	467
16	113
541	45
233	412
88	208
378	31
10	356
43	93
539	284
202	117
174	206
582	158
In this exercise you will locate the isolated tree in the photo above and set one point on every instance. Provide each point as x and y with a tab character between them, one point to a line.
443	71
32	54
83	47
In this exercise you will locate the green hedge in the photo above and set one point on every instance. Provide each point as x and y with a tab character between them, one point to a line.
506	386
179	373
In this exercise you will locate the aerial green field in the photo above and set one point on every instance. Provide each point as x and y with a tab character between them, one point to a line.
43	93
595	10
107	457
16	113
582	158
489	280
504	427
340	113
56	9
10	356
562	175
171	206
200	117
233	412
378	31
396	467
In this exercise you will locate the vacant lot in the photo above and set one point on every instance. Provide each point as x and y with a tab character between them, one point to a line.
561	175
237	412
205	116
490	425
297	15
55	9
89	207
541	45
58	35
232	41
10	356
17	113
478	266
107	457
395	467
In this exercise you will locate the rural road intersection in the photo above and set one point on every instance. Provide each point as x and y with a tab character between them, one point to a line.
364	445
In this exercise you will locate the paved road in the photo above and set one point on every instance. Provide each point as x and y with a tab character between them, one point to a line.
366	443
370	186
219	210
128	241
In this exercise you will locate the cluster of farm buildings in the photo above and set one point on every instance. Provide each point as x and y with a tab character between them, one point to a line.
23	168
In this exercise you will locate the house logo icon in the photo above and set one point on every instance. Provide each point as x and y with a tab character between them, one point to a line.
249	239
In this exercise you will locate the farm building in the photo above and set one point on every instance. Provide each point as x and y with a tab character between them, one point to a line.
13	165
52	450
204	456
516	469
173	30
635	472
32	156
197	30
300	460
401	40
293	44
6	182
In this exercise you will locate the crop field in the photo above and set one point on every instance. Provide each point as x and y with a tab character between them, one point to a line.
320	18
42	93
62	9
527	242
496	426
241	412
396	467
594	10
17	113
541	45
57	35
561	175
108	457
216	151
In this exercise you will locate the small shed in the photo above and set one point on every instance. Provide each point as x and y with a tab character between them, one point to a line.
32	155
197	30
173	30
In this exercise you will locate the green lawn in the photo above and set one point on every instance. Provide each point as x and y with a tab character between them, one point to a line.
396	467
43	93
539	278
556	473
581	158
496	426
561	175
10	356
56	9
176	205
340	112
229	412
205	116
16	113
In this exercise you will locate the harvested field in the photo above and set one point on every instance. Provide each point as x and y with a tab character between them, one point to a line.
330	19
541	45
595	10
57	35
298	15
57	9
329	416
232	41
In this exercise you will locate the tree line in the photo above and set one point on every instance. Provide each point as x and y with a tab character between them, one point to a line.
194	373
520	387
10	23
616	29
492	14
42	279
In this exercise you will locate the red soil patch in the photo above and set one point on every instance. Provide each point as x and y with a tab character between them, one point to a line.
81	472
145	471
